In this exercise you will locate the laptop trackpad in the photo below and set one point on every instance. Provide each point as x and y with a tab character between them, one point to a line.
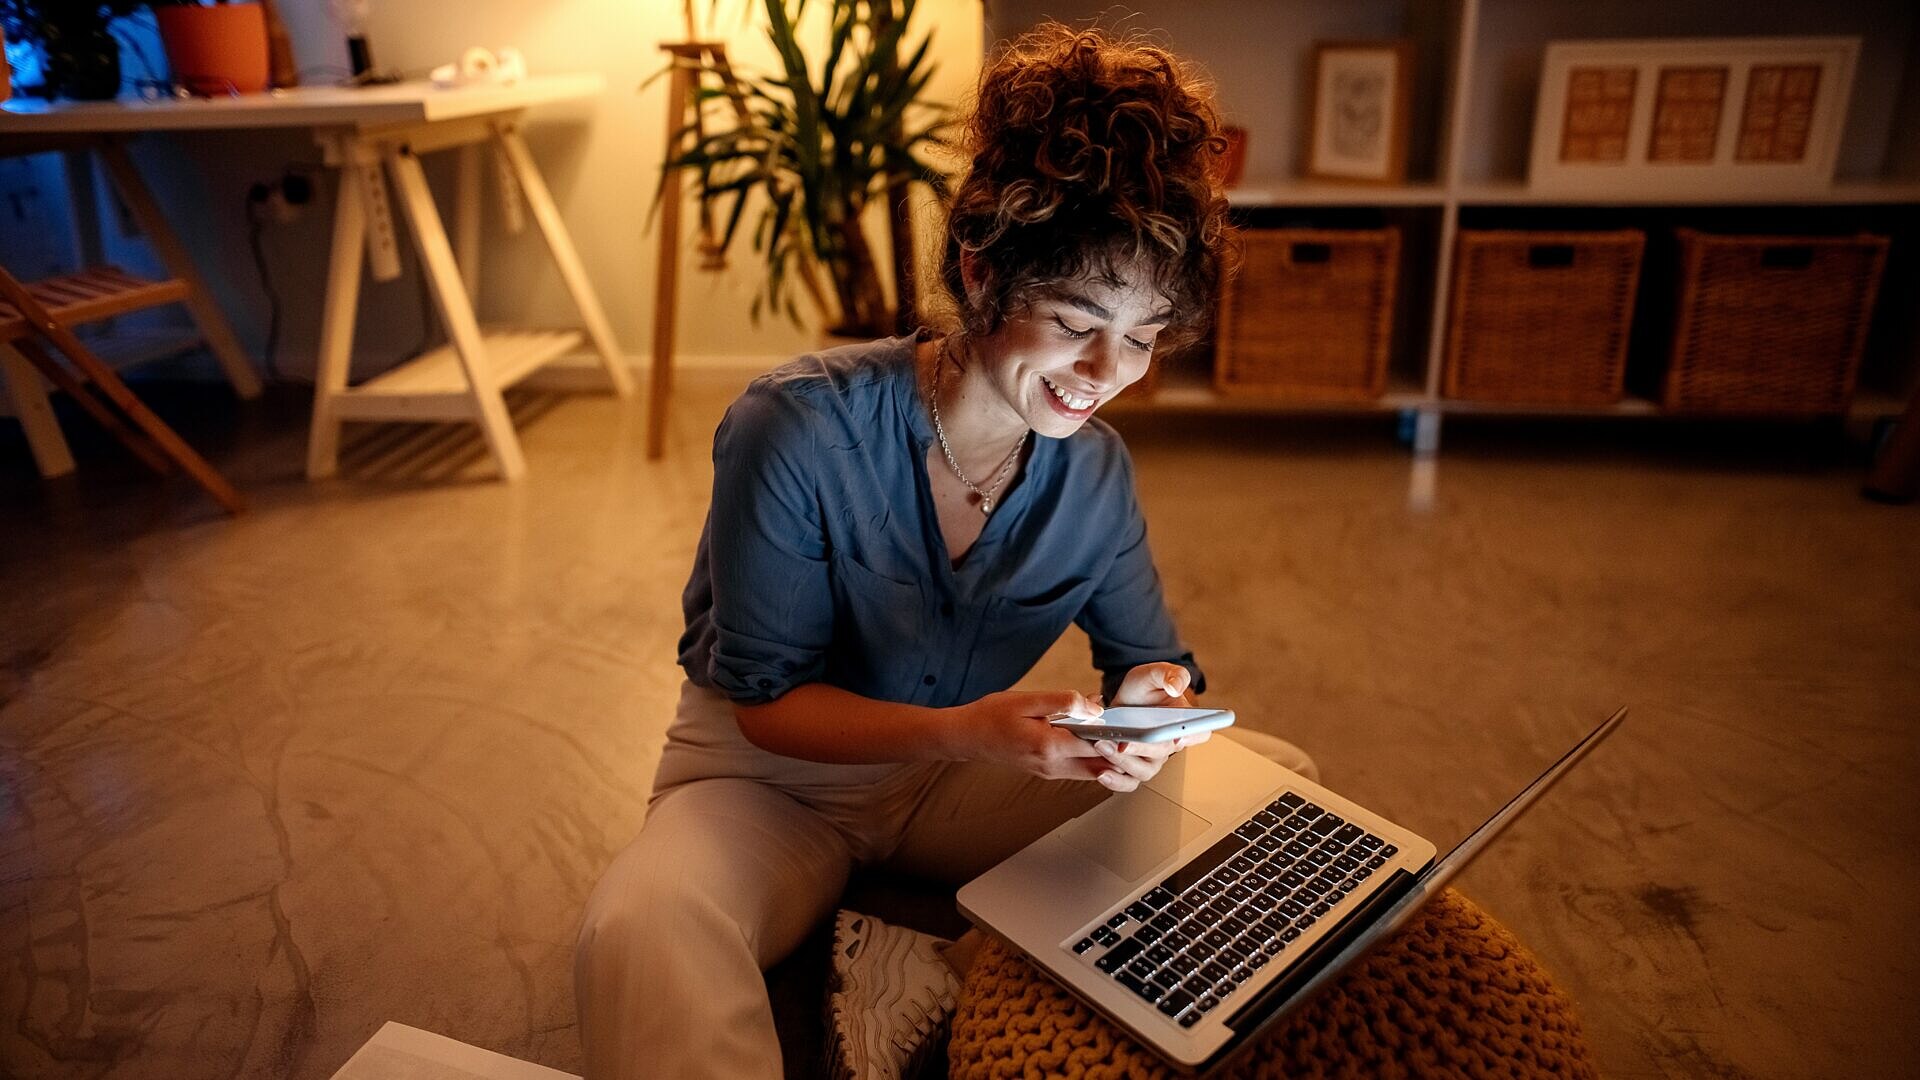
1133	832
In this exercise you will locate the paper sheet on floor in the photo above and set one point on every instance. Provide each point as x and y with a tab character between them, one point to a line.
399	1052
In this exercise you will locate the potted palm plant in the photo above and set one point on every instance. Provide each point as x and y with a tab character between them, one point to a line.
817	143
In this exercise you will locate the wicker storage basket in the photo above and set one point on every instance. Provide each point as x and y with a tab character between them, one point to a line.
1771	324
1310	315
1542	317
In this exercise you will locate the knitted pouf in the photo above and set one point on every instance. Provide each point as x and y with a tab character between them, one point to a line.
1452	994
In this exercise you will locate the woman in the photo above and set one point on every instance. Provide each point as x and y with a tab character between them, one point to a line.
898	532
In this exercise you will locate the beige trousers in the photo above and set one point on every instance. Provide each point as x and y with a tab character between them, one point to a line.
744	852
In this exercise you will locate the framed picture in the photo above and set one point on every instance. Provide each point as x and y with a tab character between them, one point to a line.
1753	116
1359	94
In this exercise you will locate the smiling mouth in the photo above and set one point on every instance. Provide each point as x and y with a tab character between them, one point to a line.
1077	404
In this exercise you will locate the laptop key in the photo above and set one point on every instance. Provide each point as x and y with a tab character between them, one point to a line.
1212	887
1180	909
1117	921
1376	862
1369	842
1239	893
1389	851
1082	945
1197	986
1249	831
1319	858
1272	948
1305	921
1269	843
1175	1003
1347	863
1296	823
1191	1018
1263	903
1157	898
1349	832
1249	944
1164	922
1265	820
1139	912
1292	908
1142	968
1213	973
1118	957
1293	879
1158	954
1241	863
1176	941
1318	910
1206	1004
1290	933
1234	924
1227	874
1241	974
1309	811
1193	898
1349	885
1328	825
1139	986
1216	938
1184	964
1296	849
1105	936
1361	874
1258	960
1289	801
1147	935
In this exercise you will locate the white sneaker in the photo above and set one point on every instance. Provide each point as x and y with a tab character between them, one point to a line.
891	996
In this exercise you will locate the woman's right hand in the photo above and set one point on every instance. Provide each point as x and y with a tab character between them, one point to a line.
1010	728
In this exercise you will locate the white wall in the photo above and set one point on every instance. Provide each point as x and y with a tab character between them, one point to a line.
601	159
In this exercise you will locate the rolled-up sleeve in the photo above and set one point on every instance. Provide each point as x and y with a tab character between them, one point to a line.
772	603
1126	618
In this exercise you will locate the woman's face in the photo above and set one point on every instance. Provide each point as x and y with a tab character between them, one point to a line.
1077	345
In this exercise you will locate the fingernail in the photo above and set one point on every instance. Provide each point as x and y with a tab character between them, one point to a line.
1171	692
1104	746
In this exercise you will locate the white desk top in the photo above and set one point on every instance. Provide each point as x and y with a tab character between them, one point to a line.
416	101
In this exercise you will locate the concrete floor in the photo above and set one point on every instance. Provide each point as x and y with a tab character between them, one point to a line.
359	755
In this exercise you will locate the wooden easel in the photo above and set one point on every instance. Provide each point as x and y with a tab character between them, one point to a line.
691	61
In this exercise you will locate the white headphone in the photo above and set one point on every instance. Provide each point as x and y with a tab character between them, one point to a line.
478	65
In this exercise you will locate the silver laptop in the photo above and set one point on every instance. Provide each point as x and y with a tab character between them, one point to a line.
1210	903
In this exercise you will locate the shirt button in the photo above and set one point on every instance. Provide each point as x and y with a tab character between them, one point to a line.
946	608
929	680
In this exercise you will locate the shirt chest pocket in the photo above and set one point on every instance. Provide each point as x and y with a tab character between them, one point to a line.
878	625
1019	630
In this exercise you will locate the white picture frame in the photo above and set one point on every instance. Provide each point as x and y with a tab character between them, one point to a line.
1692	116
1359	98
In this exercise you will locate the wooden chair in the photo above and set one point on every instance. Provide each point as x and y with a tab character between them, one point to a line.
47	311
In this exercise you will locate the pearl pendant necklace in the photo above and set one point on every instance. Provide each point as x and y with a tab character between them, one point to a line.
987	494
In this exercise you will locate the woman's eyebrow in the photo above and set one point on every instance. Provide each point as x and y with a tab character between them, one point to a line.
1091	307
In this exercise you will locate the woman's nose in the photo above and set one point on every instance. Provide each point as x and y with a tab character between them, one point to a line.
1100	364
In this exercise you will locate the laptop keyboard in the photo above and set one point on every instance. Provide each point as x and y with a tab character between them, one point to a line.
1188	943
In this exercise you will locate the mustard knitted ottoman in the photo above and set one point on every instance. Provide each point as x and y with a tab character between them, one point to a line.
1452	994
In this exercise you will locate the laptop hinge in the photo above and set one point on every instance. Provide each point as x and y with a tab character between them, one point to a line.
1280	991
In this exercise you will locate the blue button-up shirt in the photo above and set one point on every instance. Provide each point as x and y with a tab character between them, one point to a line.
822	558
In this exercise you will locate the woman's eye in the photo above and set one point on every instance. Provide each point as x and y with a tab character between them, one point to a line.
1143	346
1070	331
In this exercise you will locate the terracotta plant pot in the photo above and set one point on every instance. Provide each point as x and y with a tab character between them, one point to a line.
216	50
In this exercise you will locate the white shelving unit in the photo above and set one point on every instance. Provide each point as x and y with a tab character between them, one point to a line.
1476	75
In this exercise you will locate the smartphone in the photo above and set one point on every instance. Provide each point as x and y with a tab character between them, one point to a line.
1146	723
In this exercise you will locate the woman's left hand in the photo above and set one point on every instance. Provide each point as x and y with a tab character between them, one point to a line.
1155	684
1136	763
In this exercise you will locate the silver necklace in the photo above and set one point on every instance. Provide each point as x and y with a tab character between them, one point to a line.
1006	467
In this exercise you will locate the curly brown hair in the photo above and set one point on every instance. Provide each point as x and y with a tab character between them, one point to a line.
1089	154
